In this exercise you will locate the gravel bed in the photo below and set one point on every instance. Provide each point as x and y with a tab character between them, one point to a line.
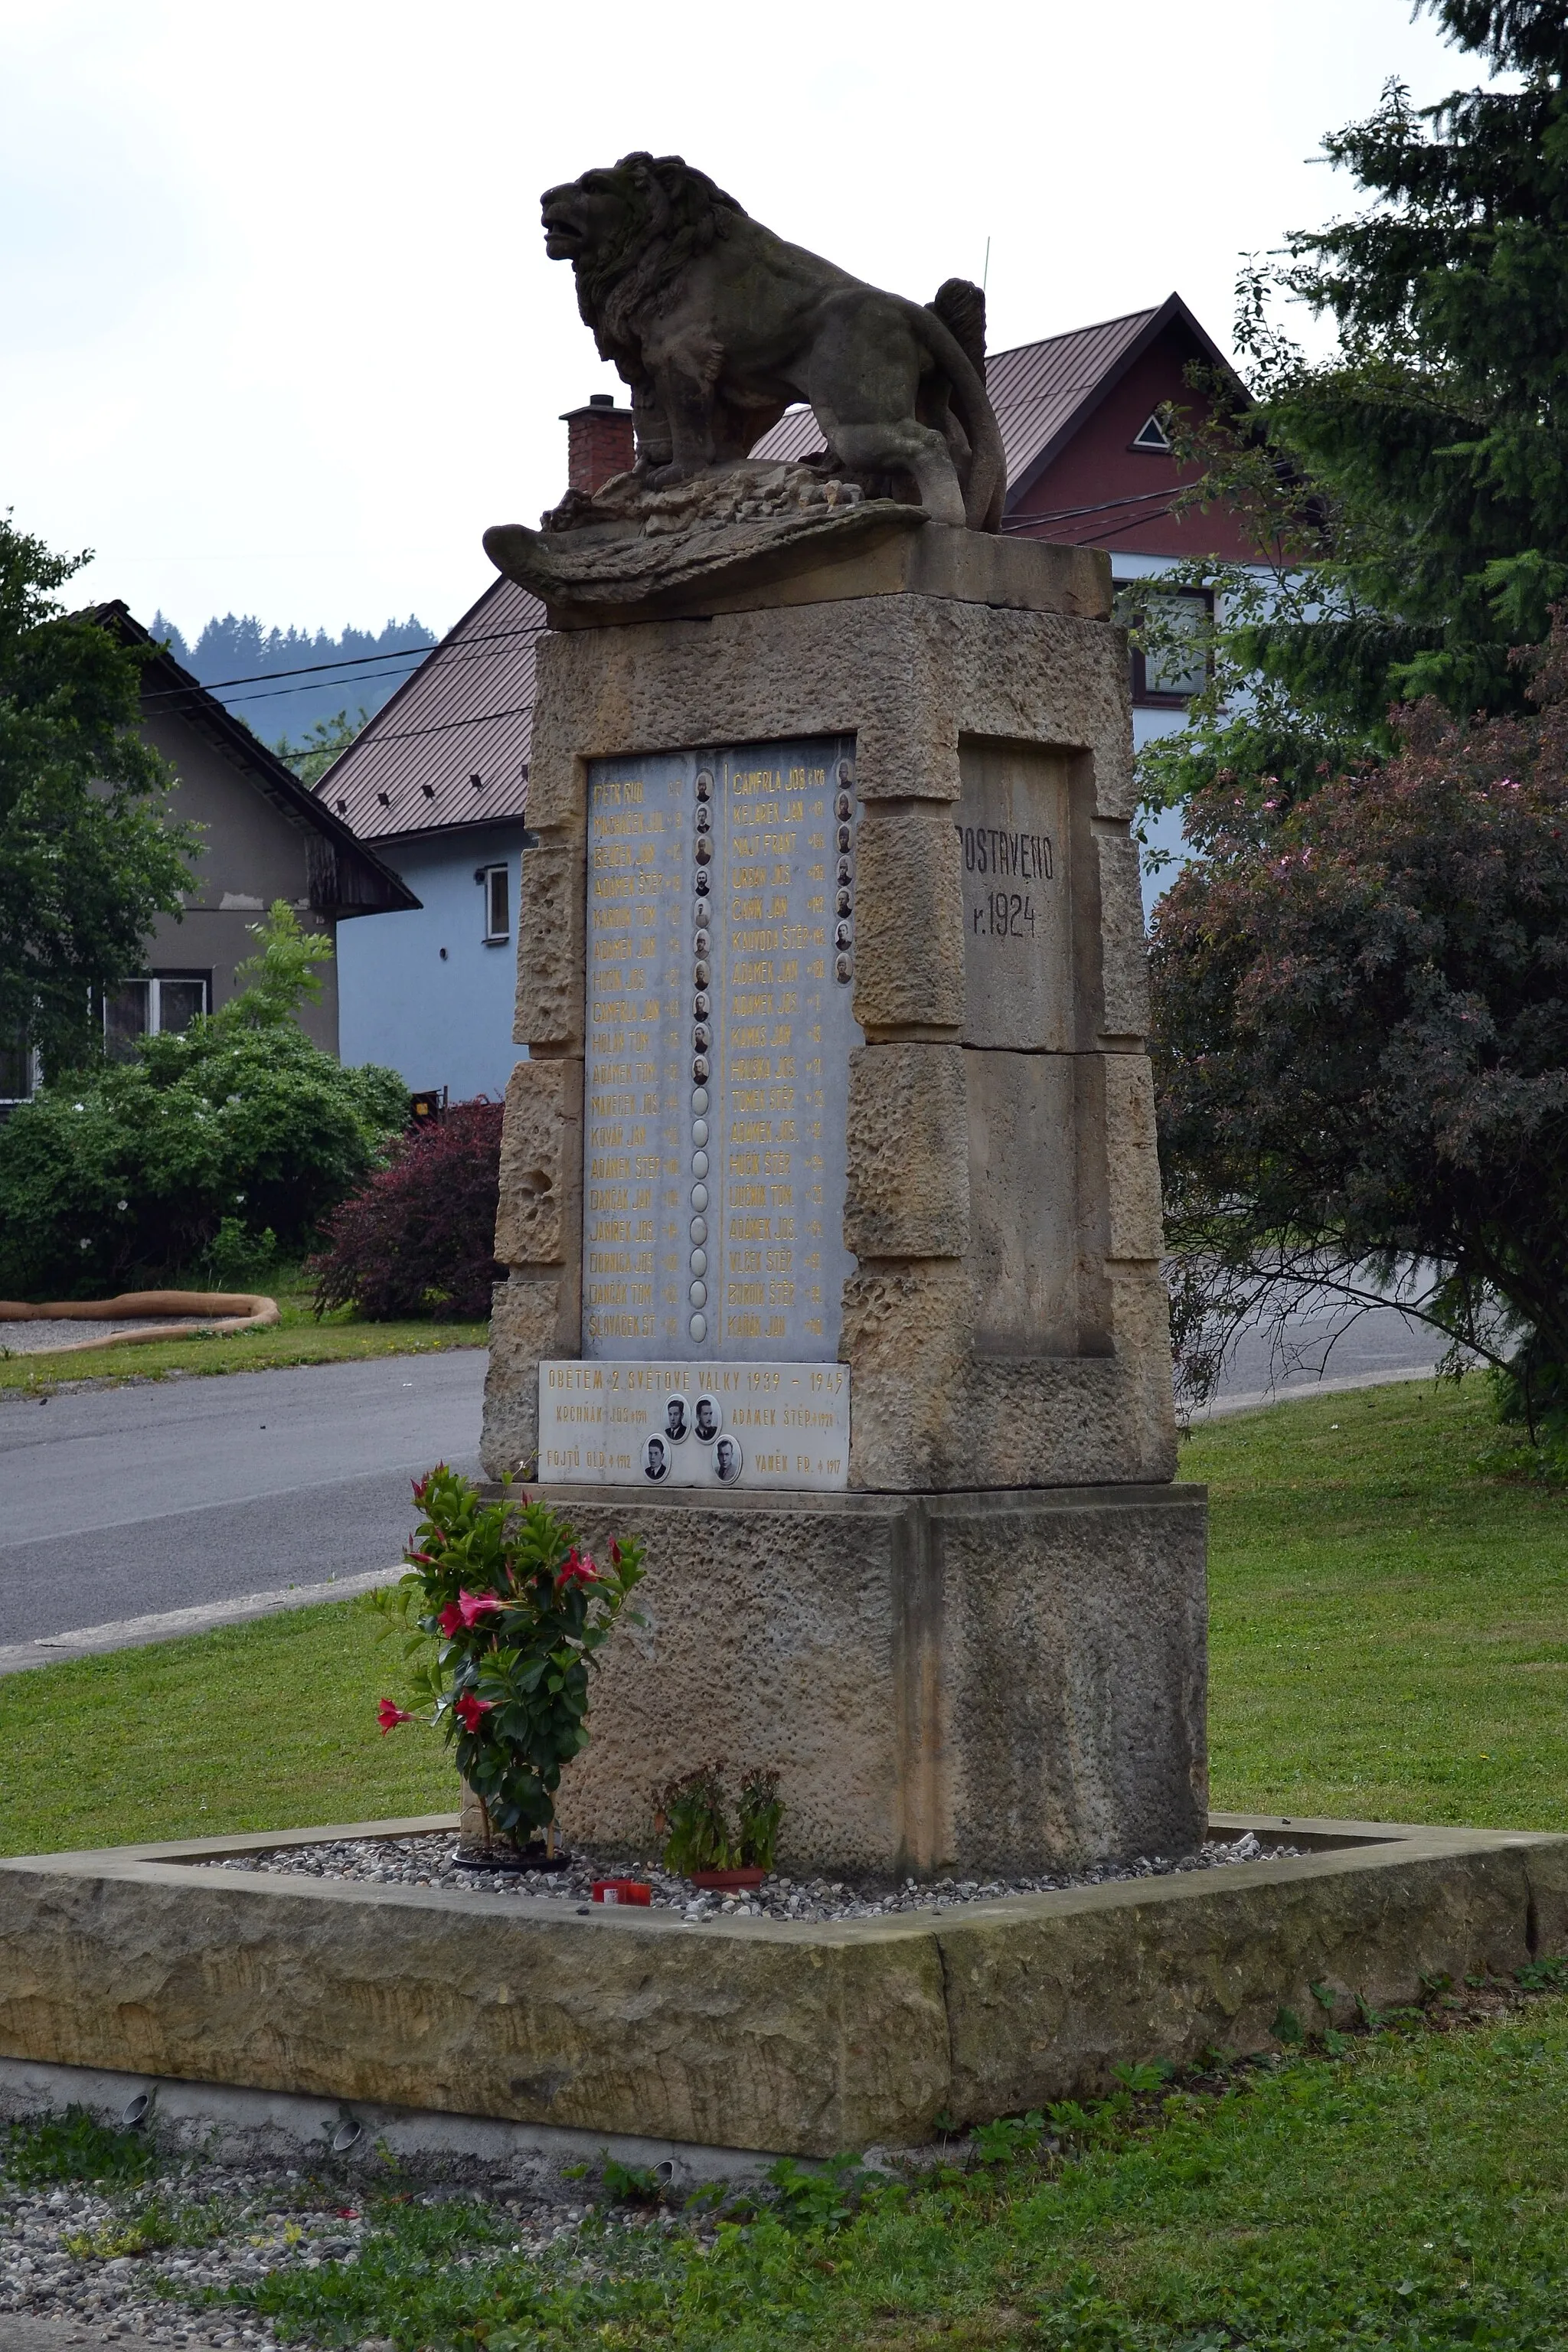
433	1861
39	1334
55	2257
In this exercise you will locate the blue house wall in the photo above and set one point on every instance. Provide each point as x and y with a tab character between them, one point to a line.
424	993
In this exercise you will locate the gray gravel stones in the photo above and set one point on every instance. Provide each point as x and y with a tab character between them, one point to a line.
58	2258
431	1861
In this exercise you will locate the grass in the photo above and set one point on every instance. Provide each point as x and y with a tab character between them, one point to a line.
1389	1641
298	1339
1389	1604
1407	2193
261	1726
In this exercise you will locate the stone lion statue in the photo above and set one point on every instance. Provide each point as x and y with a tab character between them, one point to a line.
717	326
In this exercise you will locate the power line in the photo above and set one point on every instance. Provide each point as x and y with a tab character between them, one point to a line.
444	727
354	661
1102	506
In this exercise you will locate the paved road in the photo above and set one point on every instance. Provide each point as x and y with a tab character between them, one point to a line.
1382	1344
115	1503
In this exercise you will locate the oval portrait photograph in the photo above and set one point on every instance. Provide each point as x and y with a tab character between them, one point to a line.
655	1459
707	1419
727	1461
676	1420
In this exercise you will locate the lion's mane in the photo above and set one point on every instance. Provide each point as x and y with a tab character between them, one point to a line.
674	213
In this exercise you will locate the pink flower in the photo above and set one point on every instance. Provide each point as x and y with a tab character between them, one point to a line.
389	1717
577	1569
451	1620
469	1709
474	1604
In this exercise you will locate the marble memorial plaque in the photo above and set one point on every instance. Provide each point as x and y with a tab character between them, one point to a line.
1012	825
693	1422
720	942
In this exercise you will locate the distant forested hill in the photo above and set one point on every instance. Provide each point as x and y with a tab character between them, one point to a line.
238	647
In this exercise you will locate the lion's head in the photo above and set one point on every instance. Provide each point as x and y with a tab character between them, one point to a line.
627	231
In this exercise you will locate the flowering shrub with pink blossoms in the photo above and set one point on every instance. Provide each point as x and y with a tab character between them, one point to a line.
515	1613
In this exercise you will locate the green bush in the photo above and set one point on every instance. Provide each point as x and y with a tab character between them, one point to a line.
124	1172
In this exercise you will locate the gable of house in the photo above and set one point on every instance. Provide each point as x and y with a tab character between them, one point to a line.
264	837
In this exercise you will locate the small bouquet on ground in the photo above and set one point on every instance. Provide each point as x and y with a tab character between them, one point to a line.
516	1614
692	1815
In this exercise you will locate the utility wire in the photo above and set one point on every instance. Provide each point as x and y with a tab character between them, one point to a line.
1101	506
356	661
445	726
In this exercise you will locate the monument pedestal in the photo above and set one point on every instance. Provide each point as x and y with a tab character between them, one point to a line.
1005	1683
831	970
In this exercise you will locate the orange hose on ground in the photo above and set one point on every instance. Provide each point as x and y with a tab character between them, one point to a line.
199	1310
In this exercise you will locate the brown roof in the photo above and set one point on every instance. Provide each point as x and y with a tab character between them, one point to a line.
450	749
1041	392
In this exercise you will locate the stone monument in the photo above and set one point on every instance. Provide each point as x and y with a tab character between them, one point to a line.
828	1191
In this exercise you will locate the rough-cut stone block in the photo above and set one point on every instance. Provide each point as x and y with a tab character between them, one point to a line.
908	919
551	951
1131	1167
750	2034
906	1337
908	1193
529	1319
985	1682
468	2004
540	1222
1141	1323
1124	1009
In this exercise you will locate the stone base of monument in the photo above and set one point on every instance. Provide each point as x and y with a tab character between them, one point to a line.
997	1684
741	2034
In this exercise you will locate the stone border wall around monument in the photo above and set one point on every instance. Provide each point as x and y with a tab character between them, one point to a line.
999	1334
747	2034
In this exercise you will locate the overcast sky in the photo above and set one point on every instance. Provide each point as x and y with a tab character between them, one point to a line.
276	331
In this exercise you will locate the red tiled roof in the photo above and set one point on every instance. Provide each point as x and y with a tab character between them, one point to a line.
467	712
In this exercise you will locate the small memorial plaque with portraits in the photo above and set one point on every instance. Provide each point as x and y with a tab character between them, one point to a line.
680	1422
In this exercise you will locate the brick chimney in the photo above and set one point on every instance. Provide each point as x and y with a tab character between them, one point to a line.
599	443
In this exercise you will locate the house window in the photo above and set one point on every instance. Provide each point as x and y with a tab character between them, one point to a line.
1152	436
498	904
148	1008
1172	671
18	1072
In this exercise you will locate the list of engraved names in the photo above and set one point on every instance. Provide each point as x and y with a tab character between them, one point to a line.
721	968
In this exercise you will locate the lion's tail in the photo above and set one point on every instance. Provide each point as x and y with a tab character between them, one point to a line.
958	313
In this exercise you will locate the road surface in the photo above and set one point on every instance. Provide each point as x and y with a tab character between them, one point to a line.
124	1504
118	1503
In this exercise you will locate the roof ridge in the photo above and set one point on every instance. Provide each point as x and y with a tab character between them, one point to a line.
1091	326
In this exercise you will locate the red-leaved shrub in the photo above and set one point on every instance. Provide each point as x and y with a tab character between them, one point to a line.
419	1239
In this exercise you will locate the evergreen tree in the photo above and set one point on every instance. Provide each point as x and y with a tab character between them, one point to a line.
236	647
1412	491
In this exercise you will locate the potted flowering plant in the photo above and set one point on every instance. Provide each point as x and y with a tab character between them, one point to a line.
692	1816
515	1613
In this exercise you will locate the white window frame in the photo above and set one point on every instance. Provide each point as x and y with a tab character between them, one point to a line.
34	1078
496	881
153	982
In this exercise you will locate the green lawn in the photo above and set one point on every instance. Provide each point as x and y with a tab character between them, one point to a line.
261	1726
1390	1642
298	1339
1390	1616
1408	2195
